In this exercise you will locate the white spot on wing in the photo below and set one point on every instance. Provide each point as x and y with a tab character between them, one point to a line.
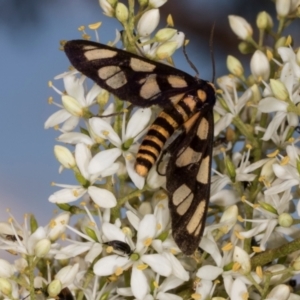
108	71
141	66
196	218
99	54
185	205
203	173
188	156
176	81
117	80
202	131
150	87
182	193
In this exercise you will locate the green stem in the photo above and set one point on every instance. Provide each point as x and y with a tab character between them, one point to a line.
246	130
31	277
249	276
268	256
134	194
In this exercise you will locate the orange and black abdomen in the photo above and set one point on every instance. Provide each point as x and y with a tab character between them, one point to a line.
162	128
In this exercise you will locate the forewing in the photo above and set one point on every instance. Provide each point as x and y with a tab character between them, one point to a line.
188	180
130	77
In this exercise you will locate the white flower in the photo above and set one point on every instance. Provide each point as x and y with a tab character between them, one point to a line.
288	175
91	234
30	243
76	95
281	108
101	197
127	146
288	56
234	103
139	260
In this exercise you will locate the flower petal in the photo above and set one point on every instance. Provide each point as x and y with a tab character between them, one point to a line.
158	264
139	284
137	122
102	197
103	160
108	265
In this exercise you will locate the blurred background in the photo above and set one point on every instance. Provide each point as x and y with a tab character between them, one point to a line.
30	32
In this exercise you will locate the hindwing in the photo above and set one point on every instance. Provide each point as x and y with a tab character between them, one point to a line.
188	180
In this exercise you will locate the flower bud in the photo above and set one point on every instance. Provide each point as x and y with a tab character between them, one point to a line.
42	247
281	42
280	291
264	21
283	7
64	156
230	168
54	288
143	2
268	207
240	27
165	34
276	269
121	12
145	208
279	90
72	106
285	220
246	48
296	264
234	66
256	95
166	50
5	286
148	22
260	66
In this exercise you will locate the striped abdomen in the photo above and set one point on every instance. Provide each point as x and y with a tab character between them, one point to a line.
163	127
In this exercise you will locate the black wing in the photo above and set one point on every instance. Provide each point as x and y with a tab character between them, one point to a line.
188	180
130	77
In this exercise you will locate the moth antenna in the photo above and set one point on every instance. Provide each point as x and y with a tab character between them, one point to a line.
212	55
188	60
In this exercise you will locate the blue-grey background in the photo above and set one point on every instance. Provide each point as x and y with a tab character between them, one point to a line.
30	32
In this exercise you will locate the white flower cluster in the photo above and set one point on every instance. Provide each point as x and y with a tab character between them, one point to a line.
123	247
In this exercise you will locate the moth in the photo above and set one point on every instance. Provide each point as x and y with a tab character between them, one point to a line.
187	104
